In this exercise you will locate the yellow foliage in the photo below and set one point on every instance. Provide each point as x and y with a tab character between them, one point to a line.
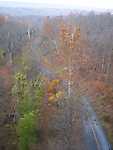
51	98
53	93
55	97
52	85
55	82
46	61
59	94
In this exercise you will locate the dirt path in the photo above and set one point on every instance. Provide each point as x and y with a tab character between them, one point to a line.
74	126
95	136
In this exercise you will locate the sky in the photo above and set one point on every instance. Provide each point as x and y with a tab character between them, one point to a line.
102	4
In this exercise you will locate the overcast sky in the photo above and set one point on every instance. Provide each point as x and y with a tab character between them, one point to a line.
102	4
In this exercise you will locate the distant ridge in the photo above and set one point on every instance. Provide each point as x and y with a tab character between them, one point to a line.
23	9
30	5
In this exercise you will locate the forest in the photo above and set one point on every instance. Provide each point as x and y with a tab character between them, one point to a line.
56	82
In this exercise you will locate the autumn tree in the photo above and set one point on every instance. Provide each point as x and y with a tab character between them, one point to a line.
69	37
68	56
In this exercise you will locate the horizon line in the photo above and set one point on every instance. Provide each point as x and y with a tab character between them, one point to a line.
54	6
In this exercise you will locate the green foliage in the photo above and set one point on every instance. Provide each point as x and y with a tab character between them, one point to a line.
26	130
29	94
1	53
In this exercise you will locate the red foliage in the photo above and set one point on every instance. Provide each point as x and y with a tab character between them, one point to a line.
3	19
5	73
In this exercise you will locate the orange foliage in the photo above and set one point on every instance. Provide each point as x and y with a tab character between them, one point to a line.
53	91
52	87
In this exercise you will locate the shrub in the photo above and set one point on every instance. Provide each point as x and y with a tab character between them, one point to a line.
29	94
26	130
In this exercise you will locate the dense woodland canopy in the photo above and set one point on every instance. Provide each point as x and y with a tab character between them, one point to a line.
42	58
42	33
